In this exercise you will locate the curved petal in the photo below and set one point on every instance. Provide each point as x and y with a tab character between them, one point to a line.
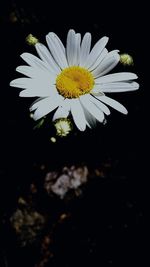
33	93
60	43
34	61
78	42
63	110
116	77
95	52
56	50
113	103
96	112
37	73
85	48
78	114
71	48
97	90
99	60
21	83
45	106
42	101
46	57
36	91
99	104
119	87
37	100
25	70
107	64
36	84
90	120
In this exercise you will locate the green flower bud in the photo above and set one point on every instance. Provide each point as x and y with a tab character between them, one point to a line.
31	40
126	59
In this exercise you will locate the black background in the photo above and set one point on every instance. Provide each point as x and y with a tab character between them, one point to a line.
111	214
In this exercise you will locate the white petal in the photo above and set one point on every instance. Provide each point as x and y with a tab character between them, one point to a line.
71	48
99	104
63	110
36	100
56	50
99	59
116	77
60	43
96	112
46	57
34	61
26	70
90	120
21	82
32	93
97	90
78	114
78	42
107	64
37	73
44	107
113	103
85	48
95	52
40	85
41	102
46	91
118	87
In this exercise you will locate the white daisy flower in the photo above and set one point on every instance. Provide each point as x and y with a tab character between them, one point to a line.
73	79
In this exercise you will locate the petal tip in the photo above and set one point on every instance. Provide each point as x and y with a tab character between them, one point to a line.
38	45
106	38
23	54
21	94
32	107
125	111
82	129
136	85
71	30
35	117
11	83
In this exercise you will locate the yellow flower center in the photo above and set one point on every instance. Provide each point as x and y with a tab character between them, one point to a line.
74	81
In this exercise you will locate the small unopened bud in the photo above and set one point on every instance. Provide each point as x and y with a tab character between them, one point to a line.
31	40
31	115
126	59
63	127
53	139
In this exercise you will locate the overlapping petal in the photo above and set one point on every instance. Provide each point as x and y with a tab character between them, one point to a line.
95	52
63	110
56	50
78	114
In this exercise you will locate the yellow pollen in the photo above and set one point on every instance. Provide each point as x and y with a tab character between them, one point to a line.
74	81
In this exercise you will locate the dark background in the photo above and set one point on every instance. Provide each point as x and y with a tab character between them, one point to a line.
109	220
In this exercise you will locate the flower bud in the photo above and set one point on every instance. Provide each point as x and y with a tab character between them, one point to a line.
31	40
53	139
126	59
63	127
